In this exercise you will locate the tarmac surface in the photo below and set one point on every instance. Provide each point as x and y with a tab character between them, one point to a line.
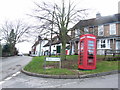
17	79
24	81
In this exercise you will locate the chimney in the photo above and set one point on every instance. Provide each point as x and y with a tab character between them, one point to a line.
98	15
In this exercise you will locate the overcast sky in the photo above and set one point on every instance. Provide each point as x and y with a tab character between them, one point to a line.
17	9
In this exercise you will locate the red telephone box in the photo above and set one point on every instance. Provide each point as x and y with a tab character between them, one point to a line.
87	52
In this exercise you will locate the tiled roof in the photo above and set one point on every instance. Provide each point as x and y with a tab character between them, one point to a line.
36	43
97	21
56	40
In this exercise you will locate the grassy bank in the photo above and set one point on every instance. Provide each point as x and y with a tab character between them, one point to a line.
69	67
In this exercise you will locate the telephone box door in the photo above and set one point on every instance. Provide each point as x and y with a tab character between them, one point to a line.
87	52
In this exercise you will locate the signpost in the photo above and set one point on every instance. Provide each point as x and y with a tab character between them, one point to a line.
52	59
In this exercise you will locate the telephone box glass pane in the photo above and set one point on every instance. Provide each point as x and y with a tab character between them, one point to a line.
90	44
82	45
81	52
90	52
90	47
90	41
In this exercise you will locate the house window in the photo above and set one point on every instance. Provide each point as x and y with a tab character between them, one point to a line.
112	29
100	30
104	44
77	32
86	30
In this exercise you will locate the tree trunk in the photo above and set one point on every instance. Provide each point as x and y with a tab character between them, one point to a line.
63	50
63	40
12	49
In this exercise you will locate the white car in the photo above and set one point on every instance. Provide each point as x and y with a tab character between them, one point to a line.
20	54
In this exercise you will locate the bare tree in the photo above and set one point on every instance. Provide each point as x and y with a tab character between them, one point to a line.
59	17
14	33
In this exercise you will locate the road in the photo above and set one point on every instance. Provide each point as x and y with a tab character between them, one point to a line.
11	65
21	80
24	81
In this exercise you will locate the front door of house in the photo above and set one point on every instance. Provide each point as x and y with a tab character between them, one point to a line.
58	48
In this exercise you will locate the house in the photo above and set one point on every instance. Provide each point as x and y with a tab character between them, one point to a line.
106	29
56	45
38	49
42	47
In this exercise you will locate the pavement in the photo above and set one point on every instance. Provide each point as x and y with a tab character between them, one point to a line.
22	80
70	76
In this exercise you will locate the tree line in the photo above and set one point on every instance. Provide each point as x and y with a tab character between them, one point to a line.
13	33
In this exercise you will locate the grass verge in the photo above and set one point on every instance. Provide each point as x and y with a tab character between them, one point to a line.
69	67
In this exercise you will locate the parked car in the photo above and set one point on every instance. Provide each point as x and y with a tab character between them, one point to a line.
20	54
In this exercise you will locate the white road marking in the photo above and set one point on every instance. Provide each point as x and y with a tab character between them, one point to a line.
15	74
2	82
9	77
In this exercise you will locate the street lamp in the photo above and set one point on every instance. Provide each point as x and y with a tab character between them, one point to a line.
39	39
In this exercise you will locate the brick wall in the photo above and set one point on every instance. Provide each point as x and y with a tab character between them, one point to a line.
113	44
106	30
118	29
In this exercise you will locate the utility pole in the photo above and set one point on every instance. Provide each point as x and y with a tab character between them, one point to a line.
0	48
39	39
51	34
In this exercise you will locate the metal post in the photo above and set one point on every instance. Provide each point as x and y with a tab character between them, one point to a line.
0	48
60	64
50	46
39	39
51	34
39	48
45	64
